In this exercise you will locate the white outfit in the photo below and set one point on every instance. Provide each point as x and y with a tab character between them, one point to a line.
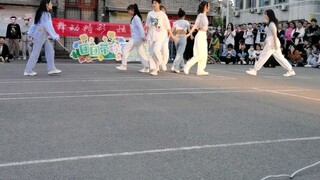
249	37
200	48
158	25
269	50
136	41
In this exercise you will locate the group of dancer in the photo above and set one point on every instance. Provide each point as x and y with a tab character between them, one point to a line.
157	36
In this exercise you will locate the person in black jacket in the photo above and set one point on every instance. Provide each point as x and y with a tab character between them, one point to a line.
5	55
14	36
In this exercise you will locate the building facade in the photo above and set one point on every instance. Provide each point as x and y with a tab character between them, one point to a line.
286	10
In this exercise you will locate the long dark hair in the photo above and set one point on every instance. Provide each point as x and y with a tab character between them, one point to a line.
136	11
42	8
181	13
232	28
202	5
272	16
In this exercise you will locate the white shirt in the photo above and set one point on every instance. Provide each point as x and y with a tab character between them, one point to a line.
158	24
202	22
230	37
248	36
181	25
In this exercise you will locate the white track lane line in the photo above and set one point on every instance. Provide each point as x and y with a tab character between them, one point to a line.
155	151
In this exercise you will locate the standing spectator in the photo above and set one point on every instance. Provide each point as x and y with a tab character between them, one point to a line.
26	40
298	35
200	49
239	37
288	34
281	33
254	32
5	55
136	41
272	47
40	32
229	34
314	32
180	26
261	34
248	36
14	36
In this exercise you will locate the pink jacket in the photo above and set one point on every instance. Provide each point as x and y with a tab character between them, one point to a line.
287	34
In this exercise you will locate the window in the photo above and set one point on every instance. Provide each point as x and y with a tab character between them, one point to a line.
81	3
264	2
279	1
251	3
239	4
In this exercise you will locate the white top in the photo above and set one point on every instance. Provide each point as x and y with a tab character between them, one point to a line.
46	22
230	37
158	24
136	27
24	31
181	25
202	22
248	37
270	39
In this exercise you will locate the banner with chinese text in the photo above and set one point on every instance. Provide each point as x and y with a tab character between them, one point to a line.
68	27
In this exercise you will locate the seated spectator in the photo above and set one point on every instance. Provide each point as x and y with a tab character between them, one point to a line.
242	55
307	48
294	56
313	59
214	48
5	56
257	53
251	57
229	55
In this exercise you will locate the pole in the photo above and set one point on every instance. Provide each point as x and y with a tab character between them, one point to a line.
227	16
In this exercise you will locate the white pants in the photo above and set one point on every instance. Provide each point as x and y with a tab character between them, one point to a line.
269	50
138	44
156	56
165	52
200	52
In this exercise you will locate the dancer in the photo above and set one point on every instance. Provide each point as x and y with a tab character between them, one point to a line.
200	49
165	47
136	41
180	27
272	47
39	31
158	27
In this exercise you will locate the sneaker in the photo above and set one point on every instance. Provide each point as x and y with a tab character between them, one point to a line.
289	73
54	71
144	70
172	68
164	67
186	69
176	70
203	73
122	68
154	73
252	72
32	73
308	66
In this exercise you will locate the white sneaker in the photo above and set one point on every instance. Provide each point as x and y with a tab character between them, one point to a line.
172	68
164	67
154	73
252	72
186	69
204	73
175	70
308	66
122	68
32	73
54	71
144	70
289	73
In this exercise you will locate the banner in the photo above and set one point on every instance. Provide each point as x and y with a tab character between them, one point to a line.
68	27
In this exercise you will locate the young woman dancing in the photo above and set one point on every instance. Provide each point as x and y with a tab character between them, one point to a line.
200	50
272	47
136	41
